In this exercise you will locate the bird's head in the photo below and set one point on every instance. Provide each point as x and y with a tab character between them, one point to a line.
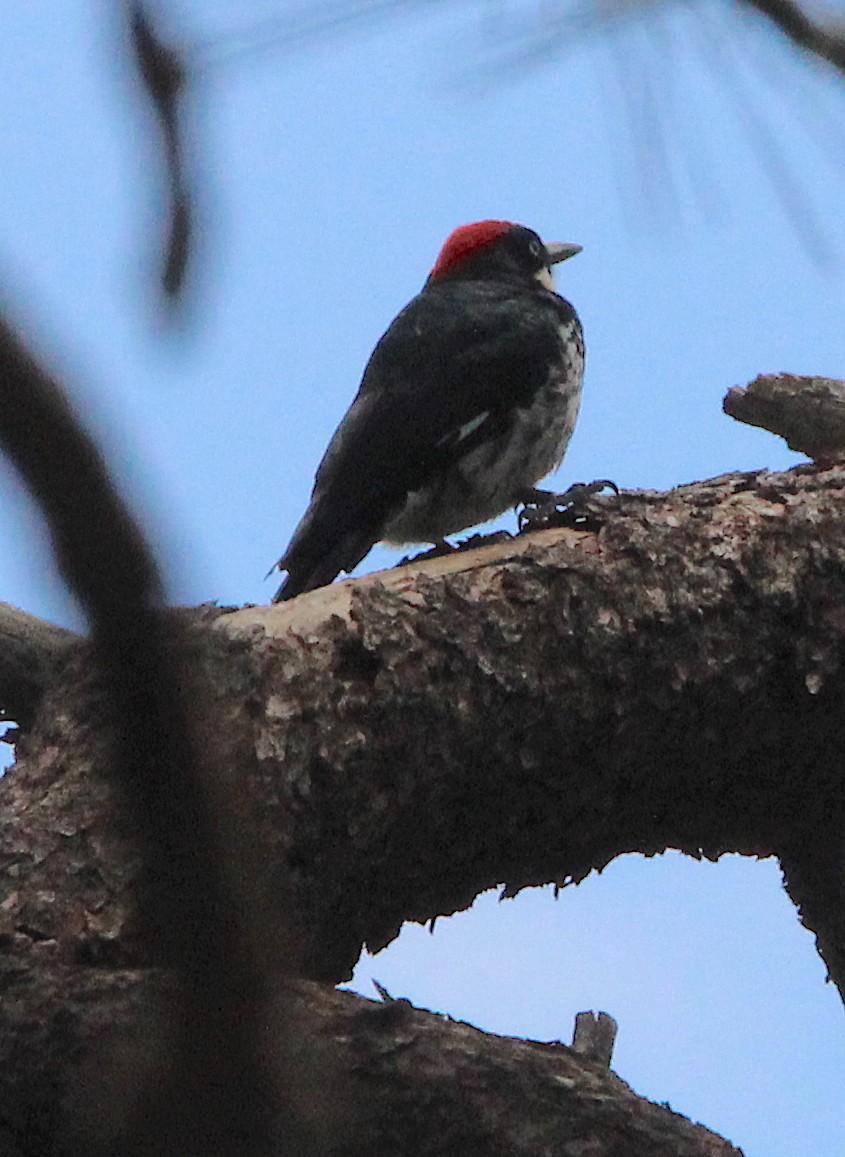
501	251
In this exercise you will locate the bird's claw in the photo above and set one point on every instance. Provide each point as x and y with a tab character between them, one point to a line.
571	508
440	549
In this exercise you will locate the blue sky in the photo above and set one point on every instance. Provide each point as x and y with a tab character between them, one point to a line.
700	166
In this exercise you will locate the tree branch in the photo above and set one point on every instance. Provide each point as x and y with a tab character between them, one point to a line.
807	412
826	41
514	715
31	653
164	73
376	1078
518	714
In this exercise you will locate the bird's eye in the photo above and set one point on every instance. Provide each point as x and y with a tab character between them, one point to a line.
535	248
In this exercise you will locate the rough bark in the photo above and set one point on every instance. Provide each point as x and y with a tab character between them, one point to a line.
31	654
515	715
595	1035
807	412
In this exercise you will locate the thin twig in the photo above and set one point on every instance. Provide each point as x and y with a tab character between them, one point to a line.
827	41
164	75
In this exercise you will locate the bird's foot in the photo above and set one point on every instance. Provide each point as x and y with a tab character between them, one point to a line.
574	507
443	547
476	540
437	551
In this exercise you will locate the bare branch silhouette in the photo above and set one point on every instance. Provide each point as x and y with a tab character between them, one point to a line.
826	41
164	74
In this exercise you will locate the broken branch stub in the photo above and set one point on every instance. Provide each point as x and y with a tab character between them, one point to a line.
808	412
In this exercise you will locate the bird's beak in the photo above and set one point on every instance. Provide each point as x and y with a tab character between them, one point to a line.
560	250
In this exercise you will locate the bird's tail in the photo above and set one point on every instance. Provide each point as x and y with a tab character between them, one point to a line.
310	565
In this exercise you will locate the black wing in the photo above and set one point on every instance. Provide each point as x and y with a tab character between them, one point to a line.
447	372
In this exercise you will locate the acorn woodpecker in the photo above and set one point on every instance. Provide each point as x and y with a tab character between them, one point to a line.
468	400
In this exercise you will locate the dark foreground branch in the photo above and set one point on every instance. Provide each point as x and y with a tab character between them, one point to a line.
194	908
164	74
822	38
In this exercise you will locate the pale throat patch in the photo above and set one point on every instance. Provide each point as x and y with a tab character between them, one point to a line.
546	278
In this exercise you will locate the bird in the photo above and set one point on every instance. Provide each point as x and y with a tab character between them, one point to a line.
468	400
